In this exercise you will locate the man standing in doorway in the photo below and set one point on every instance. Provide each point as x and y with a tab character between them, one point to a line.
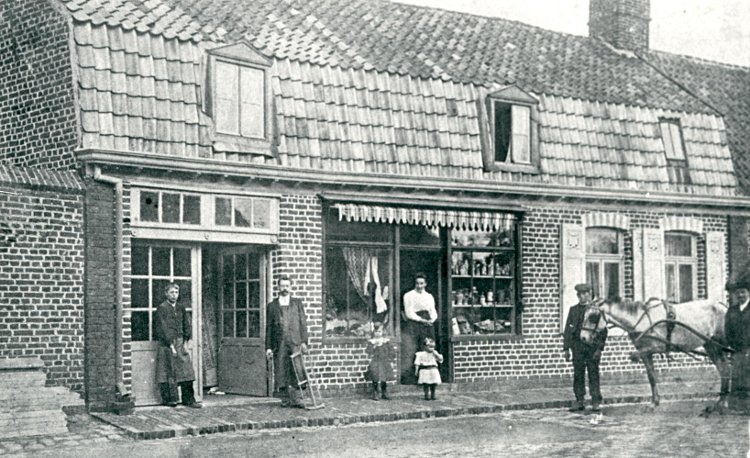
172	329
420	316
286	334
586	357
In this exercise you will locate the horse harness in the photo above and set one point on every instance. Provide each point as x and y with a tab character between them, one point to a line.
670	320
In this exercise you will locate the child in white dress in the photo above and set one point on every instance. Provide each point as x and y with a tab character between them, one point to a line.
426	367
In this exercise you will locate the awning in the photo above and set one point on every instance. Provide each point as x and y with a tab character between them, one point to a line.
459	219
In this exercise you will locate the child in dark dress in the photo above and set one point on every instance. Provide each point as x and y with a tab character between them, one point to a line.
382	354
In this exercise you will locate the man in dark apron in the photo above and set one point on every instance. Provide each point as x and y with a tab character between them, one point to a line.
172	328
737	332
286	334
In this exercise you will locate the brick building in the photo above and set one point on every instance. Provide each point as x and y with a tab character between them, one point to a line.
353	144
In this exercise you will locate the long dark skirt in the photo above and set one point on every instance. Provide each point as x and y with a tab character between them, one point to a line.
412	336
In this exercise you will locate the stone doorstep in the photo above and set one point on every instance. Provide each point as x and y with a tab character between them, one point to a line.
33	378
20	416
132	426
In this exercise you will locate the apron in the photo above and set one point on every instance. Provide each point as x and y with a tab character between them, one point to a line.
171	368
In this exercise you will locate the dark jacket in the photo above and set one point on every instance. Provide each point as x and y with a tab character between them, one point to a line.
572	335
171	323
737	327
295	334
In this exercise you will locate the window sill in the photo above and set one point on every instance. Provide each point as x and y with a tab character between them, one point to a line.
225	143
505	167
489	337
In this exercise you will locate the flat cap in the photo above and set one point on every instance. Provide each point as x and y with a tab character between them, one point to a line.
583	288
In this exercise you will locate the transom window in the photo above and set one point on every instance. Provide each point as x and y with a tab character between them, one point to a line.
680	266
240	100
243	212
605	262
170	207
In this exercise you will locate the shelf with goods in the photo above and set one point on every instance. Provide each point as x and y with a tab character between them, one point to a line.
482	290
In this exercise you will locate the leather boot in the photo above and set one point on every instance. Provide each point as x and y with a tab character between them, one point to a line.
384	390
375	391
577	406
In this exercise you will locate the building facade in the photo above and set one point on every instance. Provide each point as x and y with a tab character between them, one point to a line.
223	155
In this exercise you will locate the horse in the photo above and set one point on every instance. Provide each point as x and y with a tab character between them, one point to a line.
655	327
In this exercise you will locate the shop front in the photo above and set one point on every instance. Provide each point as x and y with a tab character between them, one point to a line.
470	259
216	247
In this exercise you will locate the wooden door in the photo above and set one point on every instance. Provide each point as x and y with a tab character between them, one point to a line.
242	322
154	266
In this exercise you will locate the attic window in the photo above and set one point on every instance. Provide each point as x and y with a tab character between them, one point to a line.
509	137
238	99
674	147
512	133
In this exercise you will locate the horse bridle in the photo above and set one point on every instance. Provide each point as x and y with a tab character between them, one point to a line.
595	304
632	329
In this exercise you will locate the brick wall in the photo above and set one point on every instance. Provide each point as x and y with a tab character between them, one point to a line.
623	23
537	355
37	116
41	276
100	295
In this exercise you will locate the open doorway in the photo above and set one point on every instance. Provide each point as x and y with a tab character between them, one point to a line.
428	262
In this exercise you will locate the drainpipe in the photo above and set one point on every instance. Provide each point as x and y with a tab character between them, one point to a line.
117	183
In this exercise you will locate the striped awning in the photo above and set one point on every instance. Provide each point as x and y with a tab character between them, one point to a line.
458	219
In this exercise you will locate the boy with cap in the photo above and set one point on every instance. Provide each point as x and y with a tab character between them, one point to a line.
586	357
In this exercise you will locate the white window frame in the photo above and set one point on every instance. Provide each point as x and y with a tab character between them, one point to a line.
241	88
603	258
520	116
678	261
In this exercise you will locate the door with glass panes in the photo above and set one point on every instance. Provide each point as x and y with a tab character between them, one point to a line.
153	267
242	361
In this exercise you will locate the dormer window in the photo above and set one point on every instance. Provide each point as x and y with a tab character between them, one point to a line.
509	131
239	99
512	136
674	147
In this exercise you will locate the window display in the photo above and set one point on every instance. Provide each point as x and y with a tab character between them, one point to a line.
483	289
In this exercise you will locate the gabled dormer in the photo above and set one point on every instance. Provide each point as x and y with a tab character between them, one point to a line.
509	129
238	99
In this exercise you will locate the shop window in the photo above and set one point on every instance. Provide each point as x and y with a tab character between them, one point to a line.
483	282
680	266
358	289
605	262
153	267
170	207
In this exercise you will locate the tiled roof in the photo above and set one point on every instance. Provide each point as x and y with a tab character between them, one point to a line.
727	87
365	90
39	177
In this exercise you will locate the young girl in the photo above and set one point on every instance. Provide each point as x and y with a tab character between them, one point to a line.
426	367
382	354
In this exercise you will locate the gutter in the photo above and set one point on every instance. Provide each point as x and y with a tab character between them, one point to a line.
388	183
117	184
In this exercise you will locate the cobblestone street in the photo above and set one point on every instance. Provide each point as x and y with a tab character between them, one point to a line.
673	429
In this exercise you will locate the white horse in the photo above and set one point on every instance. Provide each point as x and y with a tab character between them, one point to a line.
656	327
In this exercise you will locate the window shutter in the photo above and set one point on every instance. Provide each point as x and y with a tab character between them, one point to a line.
653	263
638	265
572	266
715	266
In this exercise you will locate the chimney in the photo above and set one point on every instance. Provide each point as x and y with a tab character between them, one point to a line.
621	23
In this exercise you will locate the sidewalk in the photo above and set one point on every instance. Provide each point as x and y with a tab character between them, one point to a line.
218	416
